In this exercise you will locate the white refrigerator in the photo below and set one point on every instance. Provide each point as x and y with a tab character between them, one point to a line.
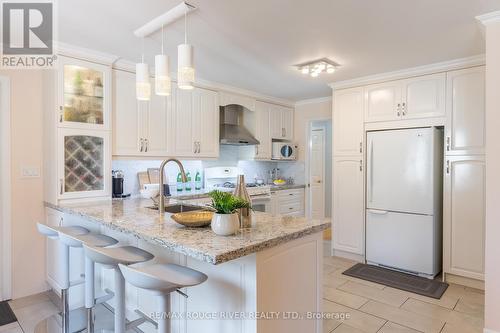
404	200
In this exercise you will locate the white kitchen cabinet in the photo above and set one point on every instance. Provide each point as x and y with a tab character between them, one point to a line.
206	122
84	163
84	94
262	131
414	98
281	122
348	205
53	218
139	126
348	122
226	98
291	202
464	216
465	116
196	124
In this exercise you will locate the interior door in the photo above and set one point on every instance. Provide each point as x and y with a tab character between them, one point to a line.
465	119
383	101
424	96
348	122
317	173
400	170
348	205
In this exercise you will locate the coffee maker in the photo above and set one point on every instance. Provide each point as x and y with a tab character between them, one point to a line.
117	177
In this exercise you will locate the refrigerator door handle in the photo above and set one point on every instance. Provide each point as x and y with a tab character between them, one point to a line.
377	212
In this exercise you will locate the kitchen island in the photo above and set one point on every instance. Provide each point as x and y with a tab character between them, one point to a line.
264	279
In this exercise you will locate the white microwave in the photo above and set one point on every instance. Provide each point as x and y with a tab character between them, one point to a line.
284	151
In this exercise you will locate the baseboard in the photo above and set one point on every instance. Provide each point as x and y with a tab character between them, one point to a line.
489	331
464	281
348	255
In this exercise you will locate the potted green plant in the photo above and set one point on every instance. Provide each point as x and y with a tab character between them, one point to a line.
225	221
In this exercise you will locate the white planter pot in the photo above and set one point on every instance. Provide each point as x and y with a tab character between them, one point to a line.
225	224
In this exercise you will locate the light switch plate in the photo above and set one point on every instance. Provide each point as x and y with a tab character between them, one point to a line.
30	172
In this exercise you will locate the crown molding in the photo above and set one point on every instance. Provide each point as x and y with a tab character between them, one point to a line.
444	66
488	18
82	53
314	100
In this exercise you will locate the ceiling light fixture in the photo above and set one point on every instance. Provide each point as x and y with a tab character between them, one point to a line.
162	76
142	84
316	67
185	66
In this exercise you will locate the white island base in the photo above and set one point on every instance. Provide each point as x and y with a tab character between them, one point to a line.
282	284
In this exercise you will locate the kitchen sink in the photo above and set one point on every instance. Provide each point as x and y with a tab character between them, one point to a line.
179	208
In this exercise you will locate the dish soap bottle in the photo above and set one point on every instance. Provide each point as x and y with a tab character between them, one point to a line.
188	184
197	181
180	184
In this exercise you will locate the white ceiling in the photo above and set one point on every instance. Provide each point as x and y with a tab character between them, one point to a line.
253	44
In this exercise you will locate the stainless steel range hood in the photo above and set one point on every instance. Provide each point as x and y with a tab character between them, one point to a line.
232	131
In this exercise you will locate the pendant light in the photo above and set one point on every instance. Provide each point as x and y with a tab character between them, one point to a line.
162	76
185	66
142	84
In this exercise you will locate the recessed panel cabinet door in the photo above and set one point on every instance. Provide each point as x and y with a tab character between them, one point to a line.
126	122
276	124
464	216
424	96
183	129
465	118
348	122
206	122
287	123
262	129
158	121
348	205
383	101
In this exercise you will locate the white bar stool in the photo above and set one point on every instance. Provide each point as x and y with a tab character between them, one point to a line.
95	240
161	280
53	233
112	257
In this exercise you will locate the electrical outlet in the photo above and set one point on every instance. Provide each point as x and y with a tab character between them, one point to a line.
30	172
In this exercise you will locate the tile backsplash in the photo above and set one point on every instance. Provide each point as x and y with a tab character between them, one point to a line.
228	157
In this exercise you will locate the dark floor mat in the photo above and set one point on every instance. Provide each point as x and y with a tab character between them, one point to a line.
415	284
7	316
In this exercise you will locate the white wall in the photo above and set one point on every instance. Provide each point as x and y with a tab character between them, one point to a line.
492	302
28	247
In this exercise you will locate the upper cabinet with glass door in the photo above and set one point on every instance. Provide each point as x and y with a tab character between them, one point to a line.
83	94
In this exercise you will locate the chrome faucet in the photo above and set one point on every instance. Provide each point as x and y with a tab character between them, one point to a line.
162	177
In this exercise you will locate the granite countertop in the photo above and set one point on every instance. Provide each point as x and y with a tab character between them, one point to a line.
203	193
132	217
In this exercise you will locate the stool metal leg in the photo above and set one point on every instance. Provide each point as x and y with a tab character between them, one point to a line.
89	294
164	314
65	311
120	319
64	262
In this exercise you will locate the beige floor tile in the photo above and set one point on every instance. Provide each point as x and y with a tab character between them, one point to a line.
329	325
344	298
387	296
395	328
347	329
333	280
403	317
448	301
440	313
29	300
474	290
11	328
469	307
355	318
449	328
338	263
31	315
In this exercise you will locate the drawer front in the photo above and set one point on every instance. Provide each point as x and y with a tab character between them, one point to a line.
289	194
290	206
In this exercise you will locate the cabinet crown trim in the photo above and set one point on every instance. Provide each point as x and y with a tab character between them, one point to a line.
489	18
444	66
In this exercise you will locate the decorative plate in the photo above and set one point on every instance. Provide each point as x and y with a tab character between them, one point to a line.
197	218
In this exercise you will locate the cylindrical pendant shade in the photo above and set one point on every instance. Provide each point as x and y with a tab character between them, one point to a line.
162	76
185	68
142	84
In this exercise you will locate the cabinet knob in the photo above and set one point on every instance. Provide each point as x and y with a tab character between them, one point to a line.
360	165
61	189
448	166
448	143
146	141
142	145
403	109
361	147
